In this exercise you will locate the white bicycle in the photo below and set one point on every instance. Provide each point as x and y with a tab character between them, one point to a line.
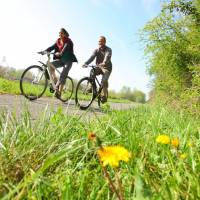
34	81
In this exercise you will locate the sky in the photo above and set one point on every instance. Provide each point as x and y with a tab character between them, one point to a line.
29	26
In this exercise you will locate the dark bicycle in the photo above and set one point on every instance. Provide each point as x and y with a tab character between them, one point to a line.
34	81
87	90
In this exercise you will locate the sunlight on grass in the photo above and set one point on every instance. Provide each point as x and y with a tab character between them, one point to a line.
52	158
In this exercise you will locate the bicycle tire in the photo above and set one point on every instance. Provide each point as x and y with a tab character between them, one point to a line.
67	90
33	89
83	98
99	100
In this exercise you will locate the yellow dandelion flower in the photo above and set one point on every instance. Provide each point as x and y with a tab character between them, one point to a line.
111	155
183	155
163	139
175	142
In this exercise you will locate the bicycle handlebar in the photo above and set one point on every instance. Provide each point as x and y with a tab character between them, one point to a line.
92	66
45	52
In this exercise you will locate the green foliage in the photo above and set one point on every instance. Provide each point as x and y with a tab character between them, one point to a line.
132	95
172	43
187	7
7	86
51	158
10	73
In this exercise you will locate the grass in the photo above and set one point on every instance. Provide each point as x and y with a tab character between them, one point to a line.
51	158
12	87
7	86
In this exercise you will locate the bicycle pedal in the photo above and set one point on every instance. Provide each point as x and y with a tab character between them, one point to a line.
51	90
58	94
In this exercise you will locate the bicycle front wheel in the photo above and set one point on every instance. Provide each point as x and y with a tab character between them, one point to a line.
84	93
33	82
67	90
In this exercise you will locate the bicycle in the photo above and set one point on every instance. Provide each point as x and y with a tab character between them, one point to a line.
34	81
87	90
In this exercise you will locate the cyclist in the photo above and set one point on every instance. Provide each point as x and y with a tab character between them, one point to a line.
104	65
64	56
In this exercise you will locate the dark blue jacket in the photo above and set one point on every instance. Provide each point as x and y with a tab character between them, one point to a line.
67	53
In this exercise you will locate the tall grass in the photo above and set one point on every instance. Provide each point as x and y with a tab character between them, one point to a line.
51	158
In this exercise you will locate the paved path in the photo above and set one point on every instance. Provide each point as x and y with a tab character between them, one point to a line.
17	104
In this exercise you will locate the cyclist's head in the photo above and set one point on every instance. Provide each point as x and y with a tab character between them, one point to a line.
63	33
102	41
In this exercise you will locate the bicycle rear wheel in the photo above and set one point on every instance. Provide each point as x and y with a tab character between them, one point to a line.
67	90
33	82
84	93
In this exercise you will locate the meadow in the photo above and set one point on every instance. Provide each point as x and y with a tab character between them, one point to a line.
52	157
12	87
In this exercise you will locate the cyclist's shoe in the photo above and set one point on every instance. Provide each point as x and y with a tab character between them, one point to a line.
103	99
57	94
51	88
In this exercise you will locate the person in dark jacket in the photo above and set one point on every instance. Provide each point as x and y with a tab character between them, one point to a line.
102	55
64	56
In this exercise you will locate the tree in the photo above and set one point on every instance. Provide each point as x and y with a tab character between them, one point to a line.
172	44
139	96
132	95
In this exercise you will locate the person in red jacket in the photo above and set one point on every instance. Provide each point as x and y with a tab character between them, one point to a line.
64	56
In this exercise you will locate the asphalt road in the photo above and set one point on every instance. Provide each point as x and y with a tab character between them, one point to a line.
18	104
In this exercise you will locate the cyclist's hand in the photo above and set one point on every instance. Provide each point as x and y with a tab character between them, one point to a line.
42	52
101	65
84	66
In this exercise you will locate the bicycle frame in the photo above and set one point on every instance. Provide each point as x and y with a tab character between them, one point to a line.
47	67
96	82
